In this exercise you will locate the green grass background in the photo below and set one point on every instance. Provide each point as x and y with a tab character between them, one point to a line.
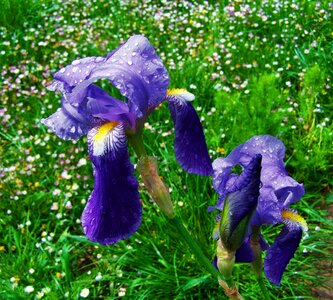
255	68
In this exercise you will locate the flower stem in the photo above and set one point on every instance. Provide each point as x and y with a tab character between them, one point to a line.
257	262
137	143
232	291
195	249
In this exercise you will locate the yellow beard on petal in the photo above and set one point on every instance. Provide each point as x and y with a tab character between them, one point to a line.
293	217
181	93
175	92
101	137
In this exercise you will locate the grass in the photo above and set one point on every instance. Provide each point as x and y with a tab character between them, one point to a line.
254	68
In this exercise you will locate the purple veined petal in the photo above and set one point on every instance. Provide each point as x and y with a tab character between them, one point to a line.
147	79
190	144
281	252
113	211
270	147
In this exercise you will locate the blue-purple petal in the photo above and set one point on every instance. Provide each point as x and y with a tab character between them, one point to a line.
68	123
243	196
75	73
245	254
136	71
113	211
281	252
133	68
190	144
278	189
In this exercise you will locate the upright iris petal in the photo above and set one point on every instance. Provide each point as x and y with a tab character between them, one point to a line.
113	211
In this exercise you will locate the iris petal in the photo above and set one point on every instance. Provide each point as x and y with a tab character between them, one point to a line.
239	205
190	144
245	254
74	120
243	198
68	124
281	252
278	189
113	211
136	71
133	68
75	73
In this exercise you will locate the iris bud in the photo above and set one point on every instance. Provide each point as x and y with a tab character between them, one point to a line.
240	205
147	167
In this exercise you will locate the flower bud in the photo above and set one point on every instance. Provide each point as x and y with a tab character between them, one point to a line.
147	167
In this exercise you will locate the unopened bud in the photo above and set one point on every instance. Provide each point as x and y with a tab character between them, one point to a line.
147	167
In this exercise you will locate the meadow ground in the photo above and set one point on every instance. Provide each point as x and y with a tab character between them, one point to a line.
256	67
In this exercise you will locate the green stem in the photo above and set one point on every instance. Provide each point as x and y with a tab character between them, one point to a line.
257	262
195	249
137	143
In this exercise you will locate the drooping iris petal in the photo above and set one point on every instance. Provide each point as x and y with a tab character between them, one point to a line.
190	144
113	211
281	252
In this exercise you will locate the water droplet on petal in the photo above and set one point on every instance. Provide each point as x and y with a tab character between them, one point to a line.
130	63
99	59
62	70
75	62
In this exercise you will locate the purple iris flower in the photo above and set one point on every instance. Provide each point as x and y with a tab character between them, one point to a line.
278	191
113	211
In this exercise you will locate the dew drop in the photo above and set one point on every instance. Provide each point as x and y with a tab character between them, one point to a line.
76	62
99	59
62	70
130	63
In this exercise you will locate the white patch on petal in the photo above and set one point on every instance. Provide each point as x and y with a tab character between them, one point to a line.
106	138
181	94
